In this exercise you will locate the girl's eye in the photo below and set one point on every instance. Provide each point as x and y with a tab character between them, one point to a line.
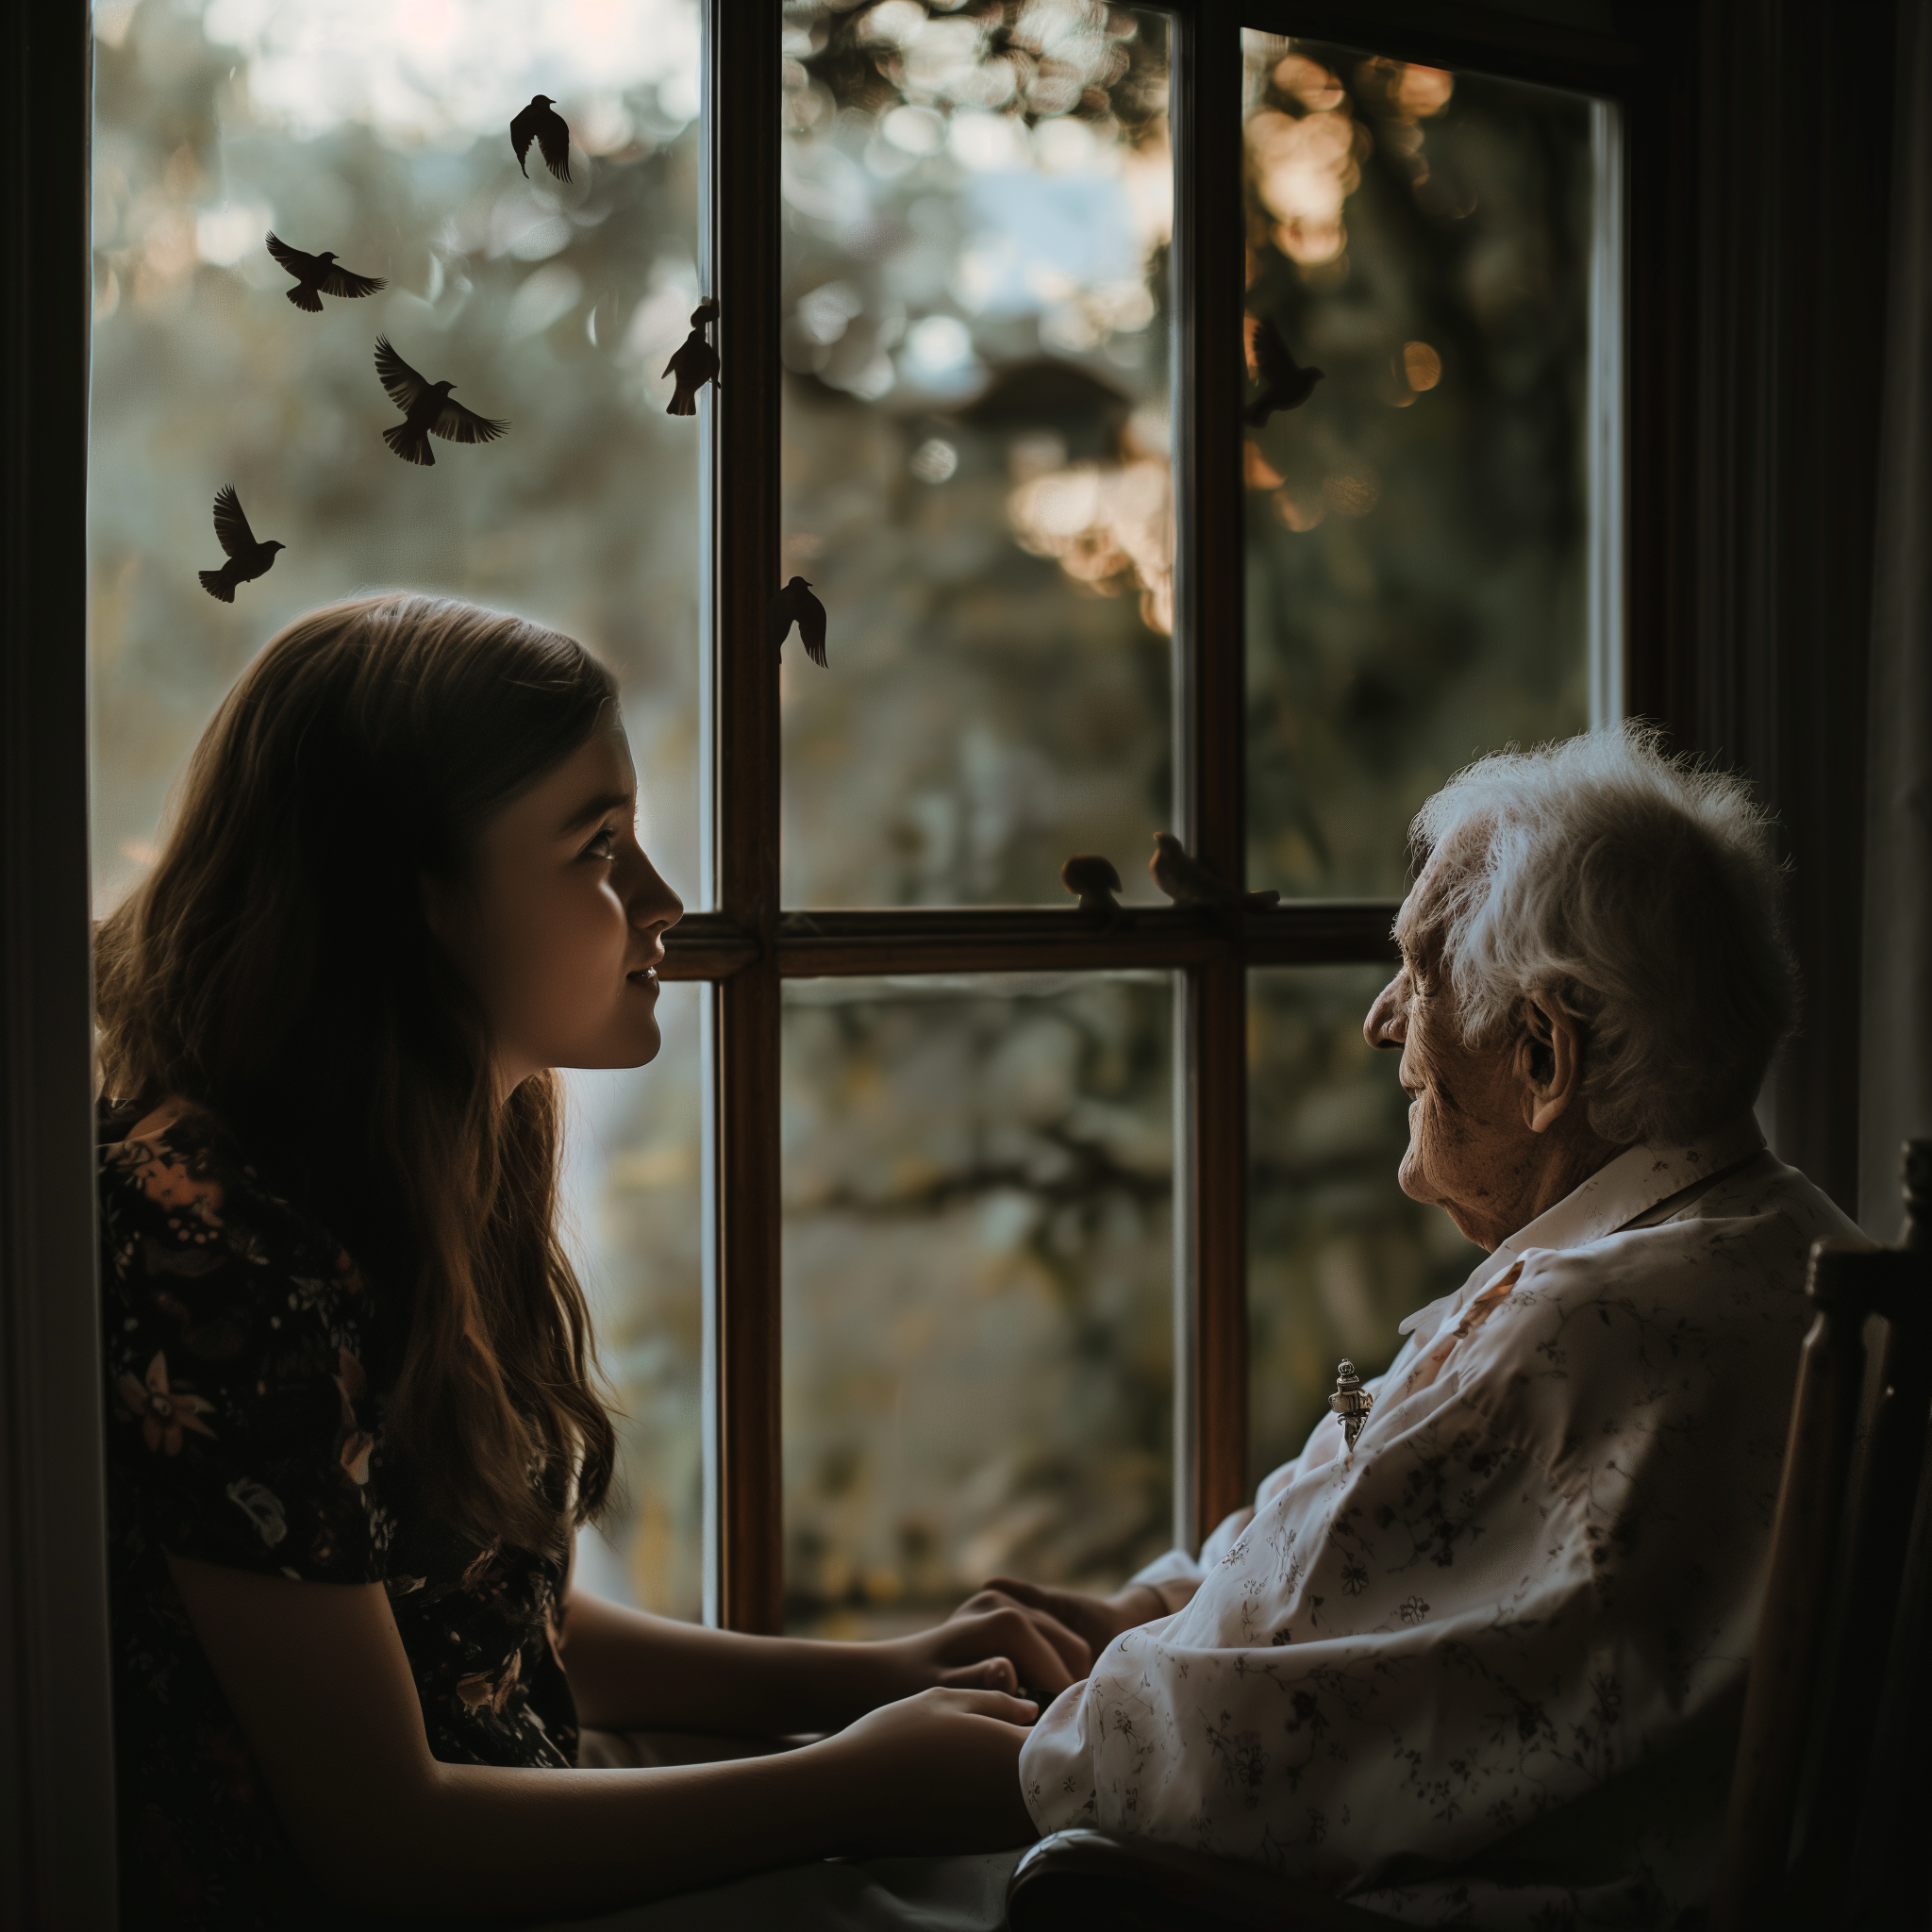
603	847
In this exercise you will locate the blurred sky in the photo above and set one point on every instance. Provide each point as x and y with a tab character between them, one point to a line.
435	71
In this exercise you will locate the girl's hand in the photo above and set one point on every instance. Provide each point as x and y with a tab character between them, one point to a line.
1095	1620
934	1773
1007	1646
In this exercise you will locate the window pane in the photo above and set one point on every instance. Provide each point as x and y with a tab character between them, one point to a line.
977	477
1337	1253
1418	531
632	1210
978	1288
380	133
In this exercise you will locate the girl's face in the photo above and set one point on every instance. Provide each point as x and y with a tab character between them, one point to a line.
561	930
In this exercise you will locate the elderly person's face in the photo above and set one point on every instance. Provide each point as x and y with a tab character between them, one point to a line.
1496	1133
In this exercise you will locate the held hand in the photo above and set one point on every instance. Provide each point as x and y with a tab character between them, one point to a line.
1096	1620
931	1774
1000	1646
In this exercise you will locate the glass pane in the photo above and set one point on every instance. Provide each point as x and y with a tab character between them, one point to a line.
1336	1252
976	479
978	1288
1418	530
380	133
632	1214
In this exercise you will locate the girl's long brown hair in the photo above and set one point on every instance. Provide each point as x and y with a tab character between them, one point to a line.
275	967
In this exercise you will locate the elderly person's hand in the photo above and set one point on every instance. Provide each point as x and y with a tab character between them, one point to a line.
1096	1620
1013	1642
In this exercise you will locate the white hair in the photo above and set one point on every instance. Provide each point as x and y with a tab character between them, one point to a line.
1638	892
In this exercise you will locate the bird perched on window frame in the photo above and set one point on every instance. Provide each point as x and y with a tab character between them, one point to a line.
1092	880
797	604
317	276
1285	383
540	122
693	362
428	411
1187	883
247	560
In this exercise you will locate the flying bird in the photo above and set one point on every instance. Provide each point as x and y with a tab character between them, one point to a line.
540	122
428	411
1187	884
317	276
1284	384
247	560
695	362
797	604
1093	881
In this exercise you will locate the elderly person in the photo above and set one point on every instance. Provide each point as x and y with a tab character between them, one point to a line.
1484	1664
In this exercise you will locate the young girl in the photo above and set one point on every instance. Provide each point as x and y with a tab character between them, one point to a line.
352	1423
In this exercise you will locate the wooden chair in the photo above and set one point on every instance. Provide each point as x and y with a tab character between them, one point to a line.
1832	1795
1838	1699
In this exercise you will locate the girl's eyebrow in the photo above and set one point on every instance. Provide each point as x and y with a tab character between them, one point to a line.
594	808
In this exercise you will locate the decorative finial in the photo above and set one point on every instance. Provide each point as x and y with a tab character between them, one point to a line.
1351	1402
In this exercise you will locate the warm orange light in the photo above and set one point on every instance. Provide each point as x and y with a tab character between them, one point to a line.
1307	167
1422	92
1257	471
1309	82
1421	365
1300	516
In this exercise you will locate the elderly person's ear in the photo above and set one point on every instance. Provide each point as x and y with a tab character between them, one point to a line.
1548	1064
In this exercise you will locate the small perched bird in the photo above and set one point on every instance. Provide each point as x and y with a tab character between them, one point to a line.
540	122
1093	881
797	604
426	410
1284	384
317	276
1187	884
247	560
695	362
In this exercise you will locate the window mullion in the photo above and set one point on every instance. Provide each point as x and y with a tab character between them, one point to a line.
1210	1369
744	1553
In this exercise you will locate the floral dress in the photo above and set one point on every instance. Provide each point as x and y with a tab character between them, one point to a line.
245	1357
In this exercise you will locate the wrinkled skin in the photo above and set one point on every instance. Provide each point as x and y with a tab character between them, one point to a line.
1497	1132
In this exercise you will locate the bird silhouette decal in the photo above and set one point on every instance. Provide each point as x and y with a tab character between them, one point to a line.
1284	384
317	276
540	122
797	604
695	362
428	411
1093	881
1186	883
247	560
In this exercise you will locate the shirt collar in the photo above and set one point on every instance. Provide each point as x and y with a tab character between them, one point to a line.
1614	1195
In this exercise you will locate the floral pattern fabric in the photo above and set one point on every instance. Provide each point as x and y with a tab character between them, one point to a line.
246	1355
1486	1667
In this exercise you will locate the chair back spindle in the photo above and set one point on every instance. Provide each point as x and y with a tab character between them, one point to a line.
1850	1495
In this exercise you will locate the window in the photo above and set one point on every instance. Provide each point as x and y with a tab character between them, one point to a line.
954	1229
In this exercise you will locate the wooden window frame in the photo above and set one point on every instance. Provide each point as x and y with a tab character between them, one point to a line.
56	1793
751	943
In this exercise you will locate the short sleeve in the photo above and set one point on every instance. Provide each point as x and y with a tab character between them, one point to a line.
241	1425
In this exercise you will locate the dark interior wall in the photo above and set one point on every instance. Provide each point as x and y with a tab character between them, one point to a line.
56	1862
1793	144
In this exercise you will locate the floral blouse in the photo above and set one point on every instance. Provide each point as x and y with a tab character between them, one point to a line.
245	1361
1484	1667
